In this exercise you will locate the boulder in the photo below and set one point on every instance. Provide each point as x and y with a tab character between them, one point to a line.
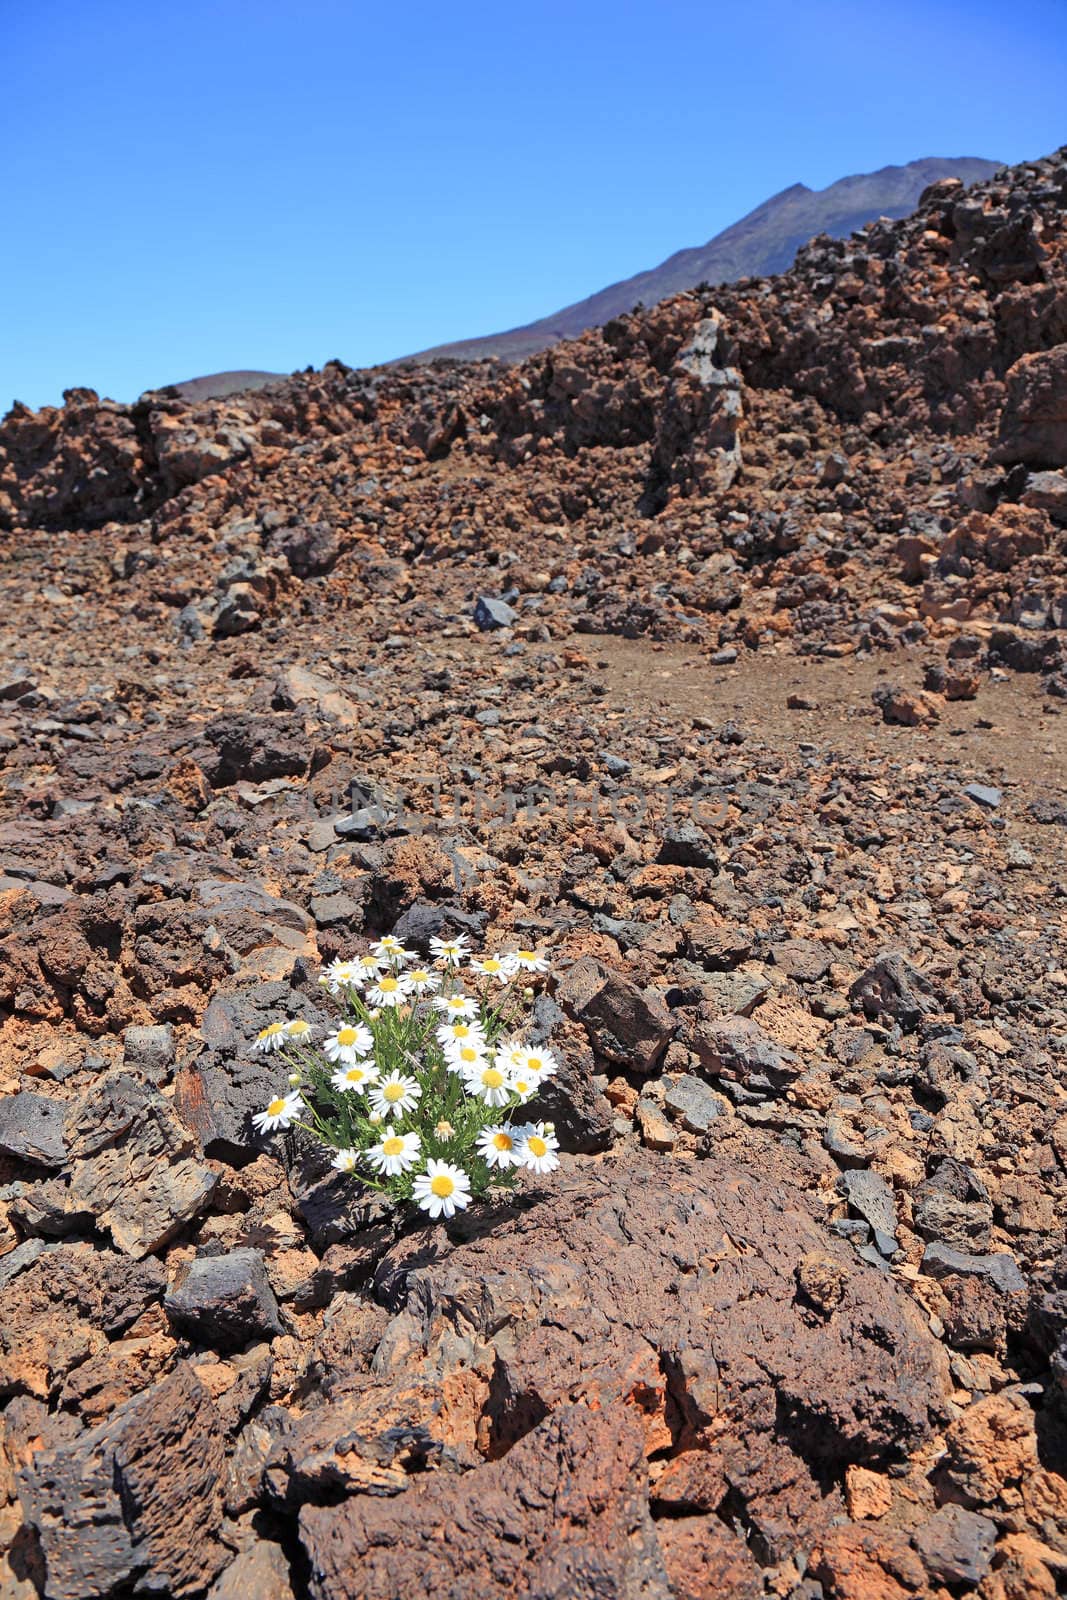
141	1492
1033	420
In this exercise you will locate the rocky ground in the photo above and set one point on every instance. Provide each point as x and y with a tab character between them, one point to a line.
720	652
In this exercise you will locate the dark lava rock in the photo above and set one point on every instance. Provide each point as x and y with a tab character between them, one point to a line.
624	1024
892	987
224	1301
583	1118
940	1261
687	846
737	1048
693	1103
490	614
803	960
956	1546
149	1050
141	1492
870	1195
31	1128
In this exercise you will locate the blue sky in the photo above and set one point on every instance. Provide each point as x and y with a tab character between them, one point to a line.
213	184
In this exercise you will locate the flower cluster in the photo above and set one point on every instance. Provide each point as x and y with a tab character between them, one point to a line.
416	1087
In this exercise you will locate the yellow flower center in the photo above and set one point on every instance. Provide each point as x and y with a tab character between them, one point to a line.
527	955
276	1107
442	1186
387	985
521	1085
536	1145
394	1092
354	1075
271	1030
491	965
418	975
534	1063
492	1078
346	1036
393	1146
468	1053
460	1030
503	1141
297	1028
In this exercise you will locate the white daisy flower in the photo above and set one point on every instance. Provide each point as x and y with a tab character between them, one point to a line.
390	950
537	1064
395	1153
456	1005
419	981
394	1095
525	1087
526	961
497	1147
350	1041
340	975
442	1189
455	1035
345	1160
388	991
354	1076
281	1113
509	1054
270	1038
450	951
492	967
488	1084
537	1147
366	969
465	1058
298	1030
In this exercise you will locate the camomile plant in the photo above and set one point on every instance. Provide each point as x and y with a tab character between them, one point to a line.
417	1086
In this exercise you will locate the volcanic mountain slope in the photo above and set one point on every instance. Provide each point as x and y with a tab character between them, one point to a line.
753	604
764	241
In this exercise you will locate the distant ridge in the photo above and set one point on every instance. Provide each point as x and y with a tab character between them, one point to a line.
220	384
763	242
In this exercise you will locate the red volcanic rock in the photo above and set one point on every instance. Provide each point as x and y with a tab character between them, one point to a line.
1033	423
814	965
684	1308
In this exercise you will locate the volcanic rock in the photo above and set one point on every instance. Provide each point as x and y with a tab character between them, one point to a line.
224	1301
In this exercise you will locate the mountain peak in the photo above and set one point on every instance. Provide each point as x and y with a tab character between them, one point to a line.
760	244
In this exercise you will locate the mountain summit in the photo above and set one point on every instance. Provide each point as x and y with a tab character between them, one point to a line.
763	242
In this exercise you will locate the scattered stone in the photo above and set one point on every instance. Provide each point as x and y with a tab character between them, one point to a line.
983	795
956	1545
693	1103
901	707
686	845
892	987
490	614
133	1167
737	1048
803	960
941	1261
870	1195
